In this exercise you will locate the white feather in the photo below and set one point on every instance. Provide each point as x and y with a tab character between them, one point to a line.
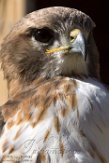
93	123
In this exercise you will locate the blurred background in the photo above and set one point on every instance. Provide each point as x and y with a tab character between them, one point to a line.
13	10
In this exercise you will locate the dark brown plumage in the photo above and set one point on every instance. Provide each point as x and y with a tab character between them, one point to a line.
57	111
23	57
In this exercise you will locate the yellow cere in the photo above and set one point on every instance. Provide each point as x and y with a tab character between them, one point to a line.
73	34
48	51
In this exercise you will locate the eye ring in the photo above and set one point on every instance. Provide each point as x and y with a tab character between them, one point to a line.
43	35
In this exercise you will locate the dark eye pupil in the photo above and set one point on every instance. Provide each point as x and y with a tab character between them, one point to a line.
43	35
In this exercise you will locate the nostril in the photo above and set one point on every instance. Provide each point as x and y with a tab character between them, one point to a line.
72	38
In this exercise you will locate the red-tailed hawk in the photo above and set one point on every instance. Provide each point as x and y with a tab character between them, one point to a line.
58	111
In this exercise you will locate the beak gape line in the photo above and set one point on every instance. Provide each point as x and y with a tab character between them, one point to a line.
49	51
75	46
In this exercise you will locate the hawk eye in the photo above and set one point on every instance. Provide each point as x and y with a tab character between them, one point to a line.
43	35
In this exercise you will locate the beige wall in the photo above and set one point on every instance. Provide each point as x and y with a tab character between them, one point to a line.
10	12
3	89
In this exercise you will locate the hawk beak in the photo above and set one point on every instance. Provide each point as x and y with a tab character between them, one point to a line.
78	45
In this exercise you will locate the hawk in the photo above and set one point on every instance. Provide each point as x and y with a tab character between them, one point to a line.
58	110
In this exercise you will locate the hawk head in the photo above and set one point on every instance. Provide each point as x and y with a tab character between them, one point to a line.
50	42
